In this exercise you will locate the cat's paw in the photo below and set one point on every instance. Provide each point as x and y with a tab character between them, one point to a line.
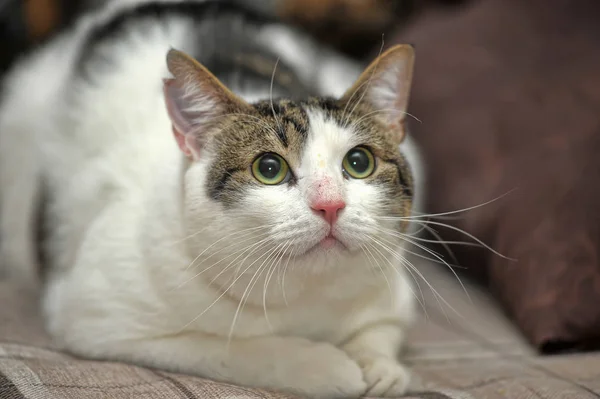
385	377
323	371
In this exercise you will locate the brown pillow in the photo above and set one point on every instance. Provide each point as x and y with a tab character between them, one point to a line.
508	93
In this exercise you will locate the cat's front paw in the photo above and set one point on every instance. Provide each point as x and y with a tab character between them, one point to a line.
321	370
385	377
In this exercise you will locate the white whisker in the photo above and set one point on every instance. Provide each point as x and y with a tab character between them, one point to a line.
249	236
431	215
407	263
373	114
283	274
250	230
468	235
271	94
221	295
439	257
248	290
368	84
221	260
420	300
382	271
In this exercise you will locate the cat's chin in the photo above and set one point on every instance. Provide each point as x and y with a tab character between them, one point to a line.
328	245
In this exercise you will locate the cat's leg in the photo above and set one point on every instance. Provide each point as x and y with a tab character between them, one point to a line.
376	351
377	345
291	364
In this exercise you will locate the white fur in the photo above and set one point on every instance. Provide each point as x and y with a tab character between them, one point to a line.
334	72
129	220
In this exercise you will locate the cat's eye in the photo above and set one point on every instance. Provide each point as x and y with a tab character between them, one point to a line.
270	169
359	163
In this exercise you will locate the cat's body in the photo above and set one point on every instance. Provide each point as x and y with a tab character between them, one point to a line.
156	258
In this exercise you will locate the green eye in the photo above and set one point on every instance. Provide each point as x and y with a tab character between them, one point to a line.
270	169
359	163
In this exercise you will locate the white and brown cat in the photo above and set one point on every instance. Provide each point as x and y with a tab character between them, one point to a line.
214	224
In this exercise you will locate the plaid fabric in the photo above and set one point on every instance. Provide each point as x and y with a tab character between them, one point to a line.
464	349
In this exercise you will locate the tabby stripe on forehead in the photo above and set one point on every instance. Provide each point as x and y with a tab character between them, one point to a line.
281	135
284	114
268	109
300	127
328	103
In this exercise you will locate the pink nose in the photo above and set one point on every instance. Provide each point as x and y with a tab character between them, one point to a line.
329	210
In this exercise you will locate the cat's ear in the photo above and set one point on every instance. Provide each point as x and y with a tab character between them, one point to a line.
385	86
196	101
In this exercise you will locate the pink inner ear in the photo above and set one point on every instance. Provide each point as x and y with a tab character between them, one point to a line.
181	126
180	138
173	99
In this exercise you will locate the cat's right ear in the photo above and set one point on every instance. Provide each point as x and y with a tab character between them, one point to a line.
385	86
196	102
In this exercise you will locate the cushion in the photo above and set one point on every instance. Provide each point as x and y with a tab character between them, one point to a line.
508	93
464	352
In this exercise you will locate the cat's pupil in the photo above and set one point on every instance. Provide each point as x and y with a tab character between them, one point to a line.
269	166
358	160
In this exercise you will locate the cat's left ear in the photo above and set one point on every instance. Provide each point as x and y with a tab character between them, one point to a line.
385	86
196	102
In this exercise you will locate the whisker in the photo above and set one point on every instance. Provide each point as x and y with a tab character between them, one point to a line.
406	262
407	238
274	266
433	260
448	226
243	250
440	259
247	237
283	275
259	245
247	291
271	94
243	232
368	244
347	121
410	268
221	295
373	114
430	215
420	300
367	86
439	241
369	258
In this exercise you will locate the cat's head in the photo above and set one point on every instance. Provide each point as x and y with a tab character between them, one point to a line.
317	181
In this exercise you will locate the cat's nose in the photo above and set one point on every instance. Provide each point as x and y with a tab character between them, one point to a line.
329	210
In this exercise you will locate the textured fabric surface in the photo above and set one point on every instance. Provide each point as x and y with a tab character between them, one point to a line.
460	350
508	92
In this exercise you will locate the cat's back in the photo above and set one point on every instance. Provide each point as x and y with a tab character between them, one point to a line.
100	82
84	116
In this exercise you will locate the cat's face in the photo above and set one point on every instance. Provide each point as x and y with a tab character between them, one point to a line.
317	181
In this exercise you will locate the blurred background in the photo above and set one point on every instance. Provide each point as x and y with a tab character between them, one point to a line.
507	96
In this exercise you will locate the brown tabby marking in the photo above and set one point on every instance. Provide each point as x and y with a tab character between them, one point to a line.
282	127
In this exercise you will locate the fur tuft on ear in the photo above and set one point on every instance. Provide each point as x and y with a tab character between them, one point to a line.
195	100
385	86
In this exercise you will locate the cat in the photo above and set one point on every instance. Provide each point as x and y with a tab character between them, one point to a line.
219	195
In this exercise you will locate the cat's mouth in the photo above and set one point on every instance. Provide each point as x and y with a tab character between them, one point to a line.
329	243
